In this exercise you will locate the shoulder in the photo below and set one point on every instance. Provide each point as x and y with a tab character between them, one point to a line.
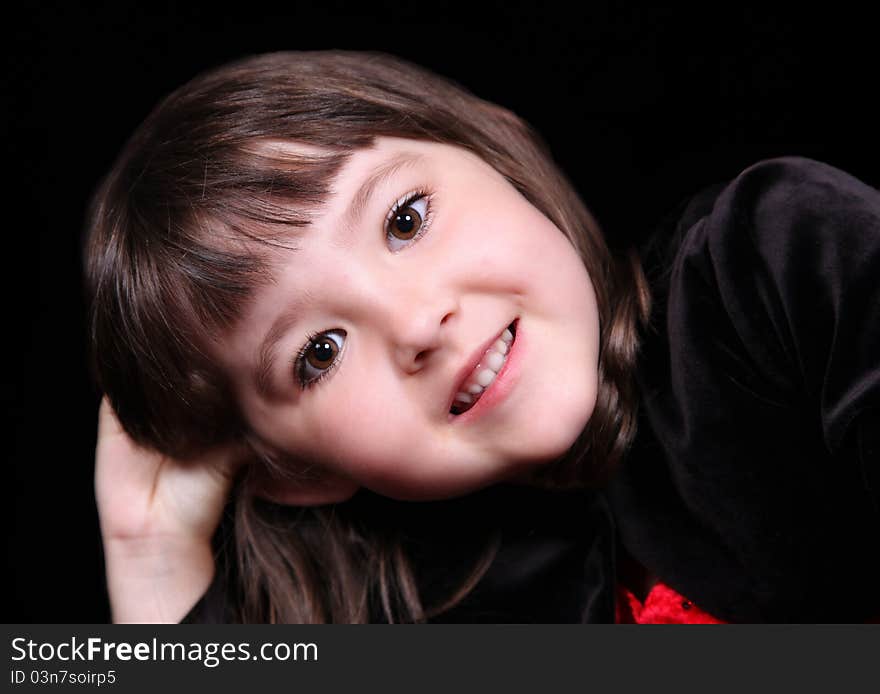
793	171
791	179
782	269
757	218
776	202
784	226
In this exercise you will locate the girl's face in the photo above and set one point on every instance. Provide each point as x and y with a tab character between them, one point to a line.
352	360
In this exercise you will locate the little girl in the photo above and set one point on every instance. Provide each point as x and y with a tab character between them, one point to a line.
327	285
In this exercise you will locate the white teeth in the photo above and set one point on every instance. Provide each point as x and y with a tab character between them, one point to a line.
494	360
485	377
488	369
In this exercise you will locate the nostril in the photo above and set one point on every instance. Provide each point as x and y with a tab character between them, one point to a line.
421	356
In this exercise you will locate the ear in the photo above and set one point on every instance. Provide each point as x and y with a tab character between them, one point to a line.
312	489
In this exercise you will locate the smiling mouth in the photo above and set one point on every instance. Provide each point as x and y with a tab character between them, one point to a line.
484	374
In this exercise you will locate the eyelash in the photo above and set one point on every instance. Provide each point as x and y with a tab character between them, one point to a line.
301	358
401	204
406	201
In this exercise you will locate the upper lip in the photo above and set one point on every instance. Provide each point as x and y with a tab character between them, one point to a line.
470	364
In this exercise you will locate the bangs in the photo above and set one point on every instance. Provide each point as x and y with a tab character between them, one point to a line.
170	279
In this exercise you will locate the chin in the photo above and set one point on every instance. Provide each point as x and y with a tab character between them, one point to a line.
553	435
556	448
426	489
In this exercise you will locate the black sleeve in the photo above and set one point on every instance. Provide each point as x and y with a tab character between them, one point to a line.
756	493
212	607
795	246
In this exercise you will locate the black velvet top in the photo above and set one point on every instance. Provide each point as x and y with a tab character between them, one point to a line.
555	561
753	487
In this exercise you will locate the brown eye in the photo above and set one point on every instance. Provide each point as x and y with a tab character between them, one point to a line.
319	356
405	224
321	353
407	221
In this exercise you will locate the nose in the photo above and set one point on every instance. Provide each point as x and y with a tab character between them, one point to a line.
411	314
409	307
417	330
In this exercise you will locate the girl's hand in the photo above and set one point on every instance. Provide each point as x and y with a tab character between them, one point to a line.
157	518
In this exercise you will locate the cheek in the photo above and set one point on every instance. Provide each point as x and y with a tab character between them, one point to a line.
365	438
559	280
497	251
514	237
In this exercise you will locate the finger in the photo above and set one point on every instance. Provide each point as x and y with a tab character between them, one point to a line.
120	464
108	422
127	459
227	460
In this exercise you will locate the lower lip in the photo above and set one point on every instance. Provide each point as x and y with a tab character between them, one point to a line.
500	388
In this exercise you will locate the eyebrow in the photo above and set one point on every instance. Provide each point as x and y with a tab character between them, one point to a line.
350	221
377	177
268	348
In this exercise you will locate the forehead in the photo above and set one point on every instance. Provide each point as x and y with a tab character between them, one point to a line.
358	164
356	174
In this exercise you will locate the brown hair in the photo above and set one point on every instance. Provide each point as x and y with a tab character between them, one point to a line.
170	265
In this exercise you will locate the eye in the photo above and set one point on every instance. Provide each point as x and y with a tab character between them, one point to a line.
319	356
408	219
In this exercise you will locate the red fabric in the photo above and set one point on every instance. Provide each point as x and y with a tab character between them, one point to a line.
662	606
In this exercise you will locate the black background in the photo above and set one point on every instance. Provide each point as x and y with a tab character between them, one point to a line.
641	106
